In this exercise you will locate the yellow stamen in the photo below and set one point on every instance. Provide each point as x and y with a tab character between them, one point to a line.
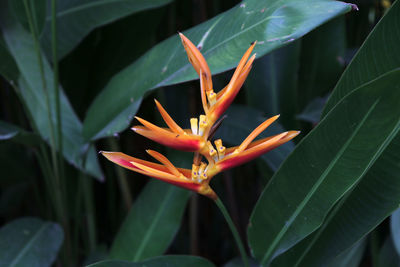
194	125
201	171
202	124
255	133
211	149
221	149
195	171
168	120
161	158
212	97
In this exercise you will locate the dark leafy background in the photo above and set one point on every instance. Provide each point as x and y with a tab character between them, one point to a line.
323	199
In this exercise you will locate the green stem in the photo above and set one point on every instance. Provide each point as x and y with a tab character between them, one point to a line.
234	231
90	212
42	76
55	81
61	210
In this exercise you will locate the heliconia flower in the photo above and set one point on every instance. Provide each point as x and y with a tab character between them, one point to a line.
197	138
166	171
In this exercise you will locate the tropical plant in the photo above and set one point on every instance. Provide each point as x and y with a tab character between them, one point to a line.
74	75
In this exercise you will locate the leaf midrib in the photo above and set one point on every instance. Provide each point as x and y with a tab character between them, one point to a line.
150	229
85	6
316	186
211	49
29	244
379	152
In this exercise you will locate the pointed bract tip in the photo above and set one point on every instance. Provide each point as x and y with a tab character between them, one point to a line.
100	152
354	7
293	134
182	36
151	152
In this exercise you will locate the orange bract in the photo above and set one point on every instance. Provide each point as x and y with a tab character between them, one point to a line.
197	139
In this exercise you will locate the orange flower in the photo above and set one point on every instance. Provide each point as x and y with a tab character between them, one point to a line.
165	172
197	139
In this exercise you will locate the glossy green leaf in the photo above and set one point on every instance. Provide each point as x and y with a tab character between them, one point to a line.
29	242
378	55
151	223
365	207
21	46
351	257
76	18
359	212
37	9
395	229
222	39
324	166
9	131
241	121
163	261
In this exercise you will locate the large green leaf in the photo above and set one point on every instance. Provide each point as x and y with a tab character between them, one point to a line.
222	39
29	242
76	18
365	207
324	166
11	132
151	223
378	55
350	258
37	10
171	260
21	46
241	121
395	229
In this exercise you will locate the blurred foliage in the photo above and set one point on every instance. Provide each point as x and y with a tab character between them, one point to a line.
323	202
